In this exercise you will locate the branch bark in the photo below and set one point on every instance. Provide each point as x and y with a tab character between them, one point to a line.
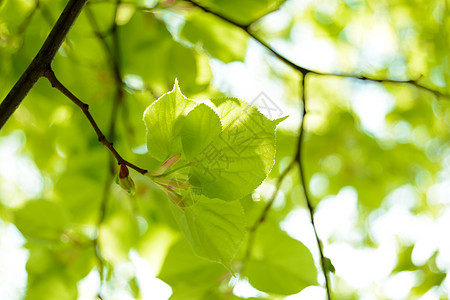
41	61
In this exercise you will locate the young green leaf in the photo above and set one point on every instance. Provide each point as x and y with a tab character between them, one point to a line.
279	264
227	151
201	126
214	228
164	119
240	157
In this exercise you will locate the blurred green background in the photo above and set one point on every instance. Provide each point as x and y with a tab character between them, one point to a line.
376	155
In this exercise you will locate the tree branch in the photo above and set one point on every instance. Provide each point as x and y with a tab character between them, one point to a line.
302	70
41	61
50	75
298	159
252	230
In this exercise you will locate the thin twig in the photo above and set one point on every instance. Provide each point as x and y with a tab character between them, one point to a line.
303	70
41	61
298	158
50	75
252	230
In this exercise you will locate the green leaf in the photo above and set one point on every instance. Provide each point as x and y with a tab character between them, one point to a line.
329	265
41	219
52	286
279	264
164	119
214	228
150	51
239	159
118	233
229	149
214	36
227	164
181	265
201	126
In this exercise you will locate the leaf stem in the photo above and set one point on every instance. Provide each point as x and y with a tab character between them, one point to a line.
176	169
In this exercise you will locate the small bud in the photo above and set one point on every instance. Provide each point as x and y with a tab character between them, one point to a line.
123	172
124	180
163	168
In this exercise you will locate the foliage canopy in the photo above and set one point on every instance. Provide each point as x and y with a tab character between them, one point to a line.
210	192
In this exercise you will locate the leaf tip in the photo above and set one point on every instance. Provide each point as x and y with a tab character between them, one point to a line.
279	120
176	86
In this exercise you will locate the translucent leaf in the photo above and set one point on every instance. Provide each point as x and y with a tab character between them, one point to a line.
214	228
164	119
183	266
201	126
239	159
227	164
279	264
228	150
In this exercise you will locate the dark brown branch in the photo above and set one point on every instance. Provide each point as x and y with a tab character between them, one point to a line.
299	160
50	75
41	61
304	71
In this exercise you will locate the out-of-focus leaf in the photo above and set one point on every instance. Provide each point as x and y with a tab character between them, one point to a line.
183	266
279	264
150	52
118	233
243	12
214	35
52	286
41	219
